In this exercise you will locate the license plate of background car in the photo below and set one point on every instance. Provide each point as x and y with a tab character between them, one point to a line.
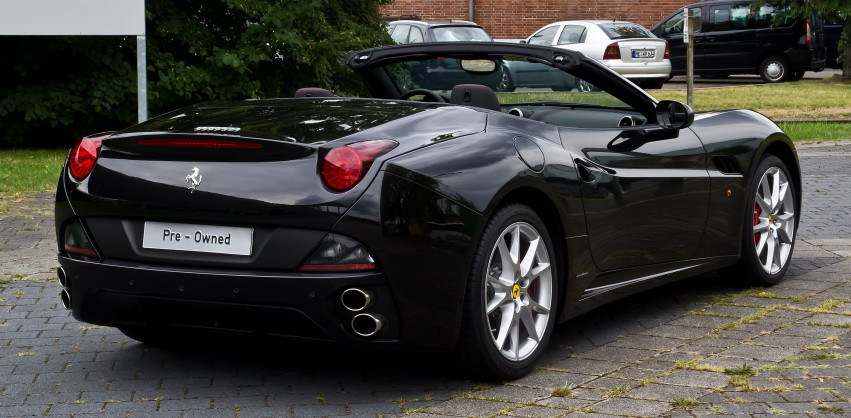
199	238
643	53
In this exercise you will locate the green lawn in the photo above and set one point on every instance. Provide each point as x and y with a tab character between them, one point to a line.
29	170
806	99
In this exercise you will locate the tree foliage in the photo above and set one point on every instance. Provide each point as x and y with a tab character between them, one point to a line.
58	88
836	11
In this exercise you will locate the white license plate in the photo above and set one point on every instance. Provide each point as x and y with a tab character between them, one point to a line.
199	238
643	53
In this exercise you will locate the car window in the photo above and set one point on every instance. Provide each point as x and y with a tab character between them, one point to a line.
766	15
572	34
460	34
416	36
730	17
675	24
544	36
400	34
625	30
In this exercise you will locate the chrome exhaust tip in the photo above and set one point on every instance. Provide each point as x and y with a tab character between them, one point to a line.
356	300
63	278
66	298
367	324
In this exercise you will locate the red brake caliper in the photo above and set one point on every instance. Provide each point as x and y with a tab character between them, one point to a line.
755	221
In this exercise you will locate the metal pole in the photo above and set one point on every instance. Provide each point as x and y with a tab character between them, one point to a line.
690	58
142	77
471	19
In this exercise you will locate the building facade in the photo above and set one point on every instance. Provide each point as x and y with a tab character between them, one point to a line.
511	19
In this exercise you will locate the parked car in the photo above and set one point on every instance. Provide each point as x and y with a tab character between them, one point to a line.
462	220
438	74
418	31
731	39
627	48
832	33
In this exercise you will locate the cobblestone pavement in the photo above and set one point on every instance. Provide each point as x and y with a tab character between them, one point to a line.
692	348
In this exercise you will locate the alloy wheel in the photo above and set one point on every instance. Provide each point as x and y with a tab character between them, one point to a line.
518	291
773	220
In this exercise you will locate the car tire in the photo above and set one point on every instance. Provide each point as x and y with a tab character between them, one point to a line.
770	225
797	75
491	344
775	69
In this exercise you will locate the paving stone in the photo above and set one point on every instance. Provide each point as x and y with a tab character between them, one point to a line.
754	352
618	406
537	411
666	393
468	407
695	378
512	393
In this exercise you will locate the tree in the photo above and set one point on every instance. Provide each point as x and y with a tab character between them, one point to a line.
61	88
838	11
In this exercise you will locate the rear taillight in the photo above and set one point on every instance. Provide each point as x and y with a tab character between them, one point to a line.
667	51
809	33
613	52
84	155
343	167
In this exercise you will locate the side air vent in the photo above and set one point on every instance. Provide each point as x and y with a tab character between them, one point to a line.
725	164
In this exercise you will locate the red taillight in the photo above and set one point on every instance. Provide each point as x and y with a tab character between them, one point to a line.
199	143
84	155
343	167
613	52
667	51
809	33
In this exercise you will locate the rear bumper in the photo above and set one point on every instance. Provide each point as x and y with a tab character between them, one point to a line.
661	70
305	306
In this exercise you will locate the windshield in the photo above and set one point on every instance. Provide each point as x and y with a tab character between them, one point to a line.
513	80
625	30
460	34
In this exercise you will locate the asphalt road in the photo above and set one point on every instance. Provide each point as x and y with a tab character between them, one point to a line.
662	352
679	82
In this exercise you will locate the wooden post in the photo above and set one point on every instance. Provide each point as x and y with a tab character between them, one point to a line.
688	37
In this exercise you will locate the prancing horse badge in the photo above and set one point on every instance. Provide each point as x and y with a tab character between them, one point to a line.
194	179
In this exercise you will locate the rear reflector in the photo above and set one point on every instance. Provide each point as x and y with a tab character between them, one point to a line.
667	51
809	33
339	253
199	143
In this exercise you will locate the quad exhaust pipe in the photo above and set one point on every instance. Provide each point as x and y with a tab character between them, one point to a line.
63	278
356	300
66	298
367	324
66	284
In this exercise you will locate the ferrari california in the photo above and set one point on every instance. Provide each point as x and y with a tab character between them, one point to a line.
461	220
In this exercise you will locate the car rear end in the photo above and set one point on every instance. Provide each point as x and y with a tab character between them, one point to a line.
228	218
635	53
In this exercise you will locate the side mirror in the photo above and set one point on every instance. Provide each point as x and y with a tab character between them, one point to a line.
522	41
674	115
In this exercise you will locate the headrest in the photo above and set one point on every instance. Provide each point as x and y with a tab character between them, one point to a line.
475	95
313	92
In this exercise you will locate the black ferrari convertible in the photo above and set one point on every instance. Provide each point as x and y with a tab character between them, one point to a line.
471	218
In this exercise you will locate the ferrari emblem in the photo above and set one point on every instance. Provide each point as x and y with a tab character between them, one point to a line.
194	179
515	291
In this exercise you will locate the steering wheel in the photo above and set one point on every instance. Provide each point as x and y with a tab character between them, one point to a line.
430	95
